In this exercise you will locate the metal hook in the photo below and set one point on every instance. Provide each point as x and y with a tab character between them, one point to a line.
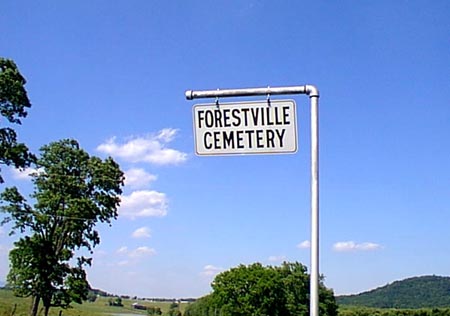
217	100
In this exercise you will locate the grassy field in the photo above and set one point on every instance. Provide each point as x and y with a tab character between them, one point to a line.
9	303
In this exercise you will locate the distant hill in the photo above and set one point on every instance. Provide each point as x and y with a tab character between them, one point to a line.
417	292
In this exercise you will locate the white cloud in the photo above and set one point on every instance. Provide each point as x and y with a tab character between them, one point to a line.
167	134
142	252
143	232
138	178
150	148
346	246
143	203
277	258
122	250
23	174
123	263
211	271
304	244
139	252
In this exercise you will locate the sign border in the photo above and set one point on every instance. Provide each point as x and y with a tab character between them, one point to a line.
251	103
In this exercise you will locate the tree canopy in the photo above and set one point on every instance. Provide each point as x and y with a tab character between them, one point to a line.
72	193
257	290
429	291
13	106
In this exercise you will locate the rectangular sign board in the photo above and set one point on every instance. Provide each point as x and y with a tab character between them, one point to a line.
258	127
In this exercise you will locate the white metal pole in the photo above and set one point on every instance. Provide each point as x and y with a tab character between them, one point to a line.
313	93
314	280
243	92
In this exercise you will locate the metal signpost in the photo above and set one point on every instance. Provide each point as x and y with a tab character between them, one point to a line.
261	128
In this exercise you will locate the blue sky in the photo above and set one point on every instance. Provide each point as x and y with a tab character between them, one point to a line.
113	75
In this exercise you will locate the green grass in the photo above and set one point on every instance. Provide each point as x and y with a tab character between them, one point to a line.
98	308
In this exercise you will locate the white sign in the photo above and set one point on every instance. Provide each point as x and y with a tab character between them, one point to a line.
260	127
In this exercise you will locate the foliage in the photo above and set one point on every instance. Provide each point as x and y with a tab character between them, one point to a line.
115	302
13	105
204	306
153	310
174	310
98	308
417	292
73	192
368	311
258	290
91	297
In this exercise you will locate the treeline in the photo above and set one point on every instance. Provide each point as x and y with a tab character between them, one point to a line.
367	311
150	299
205	307
412	293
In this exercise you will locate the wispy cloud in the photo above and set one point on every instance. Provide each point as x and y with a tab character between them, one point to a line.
23	174
211	271
122	250
304	244
346	246
150	148
139	252
123	263
138	178
143	232
277	258
143	203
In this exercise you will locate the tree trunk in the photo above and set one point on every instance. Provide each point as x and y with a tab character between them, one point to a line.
35	305
46	309
47	303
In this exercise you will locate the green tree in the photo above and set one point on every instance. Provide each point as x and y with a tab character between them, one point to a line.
91	297
257	290
204	306
153	310
250	290
13	105
174	309
295	288
72	192
115	302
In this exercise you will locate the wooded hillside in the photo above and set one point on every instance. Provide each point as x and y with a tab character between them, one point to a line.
417	292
